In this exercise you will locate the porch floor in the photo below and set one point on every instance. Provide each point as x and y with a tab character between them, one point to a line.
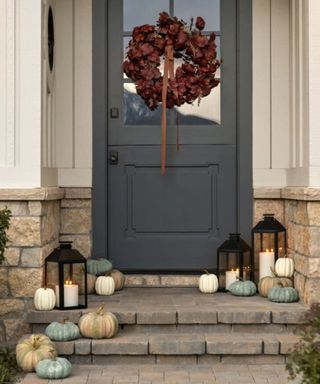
172	306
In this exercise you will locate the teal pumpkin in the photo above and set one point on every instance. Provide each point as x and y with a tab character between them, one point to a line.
280	294
58	368
62	331
99	266
243	288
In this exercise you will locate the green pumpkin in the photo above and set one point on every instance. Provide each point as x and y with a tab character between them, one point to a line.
99	266
280	294
243	288
62	331
58	368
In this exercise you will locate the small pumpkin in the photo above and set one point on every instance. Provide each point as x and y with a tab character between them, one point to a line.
33	349
243	288
44	299
268	282
280	294
56	368
284	267
98	267
64	331
118	278
105	285
98	324
208	283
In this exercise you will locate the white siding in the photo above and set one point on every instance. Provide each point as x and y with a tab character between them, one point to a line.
67	110
20	93
271	92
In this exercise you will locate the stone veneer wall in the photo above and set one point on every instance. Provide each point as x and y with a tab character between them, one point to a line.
33	234
298	209
40	218
43	216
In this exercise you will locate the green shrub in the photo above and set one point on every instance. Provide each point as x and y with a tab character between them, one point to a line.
5	216
304	361
8	365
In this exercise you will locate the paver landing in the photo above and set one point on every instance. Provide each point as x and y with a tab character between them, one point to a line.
216	374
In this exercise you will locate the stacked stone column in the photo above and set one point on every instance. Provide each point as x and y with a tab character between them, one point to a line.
33	234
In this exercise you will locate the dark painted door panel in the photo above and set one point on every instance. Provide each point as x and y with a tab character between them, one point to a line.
174	222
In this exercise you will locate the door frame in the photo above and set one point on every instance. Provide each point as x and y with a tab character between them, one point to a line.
99	119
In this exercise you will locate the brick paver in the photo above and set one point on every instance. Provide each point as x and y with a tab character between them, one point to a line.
170	374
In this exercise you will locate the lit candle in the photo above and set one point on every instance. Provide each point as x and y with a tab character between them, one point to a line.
231	276
266	263
71	294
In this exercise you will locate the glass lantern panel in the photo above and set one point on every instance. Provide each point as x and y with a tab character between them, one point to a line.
282	244
52	276
247	267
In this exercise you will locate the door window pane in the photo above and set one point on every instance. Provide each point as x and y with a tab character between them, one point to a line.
135	112
209	10
139	12
206	113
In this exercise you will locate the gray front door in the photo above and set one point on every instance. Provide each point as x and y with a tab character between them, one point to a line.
173	222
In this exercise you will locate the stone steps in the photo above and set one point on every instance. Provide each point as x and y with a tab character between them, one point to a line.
164	347
182	326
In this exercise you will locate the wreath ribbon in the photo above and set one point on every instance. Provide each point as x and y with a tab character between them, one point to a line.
168	72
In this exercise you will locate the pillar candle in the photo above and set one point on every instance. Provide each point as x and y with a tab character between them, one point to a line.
231	276
71	294
266	263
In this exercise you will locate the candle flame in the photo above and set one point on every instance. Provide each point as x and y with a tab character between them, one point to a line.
68	282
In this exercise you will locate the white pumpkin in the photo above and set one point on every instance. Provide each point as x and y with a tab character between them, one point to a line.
105	285
44	299
284	267
208	283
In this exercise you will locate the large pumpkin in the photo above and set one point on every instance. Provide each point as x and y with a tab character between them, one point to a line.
281	294
33	349
98	267
98	324
243	288
118	278
208	283
58	368
44	299
268	282
284	267
105	285
62	331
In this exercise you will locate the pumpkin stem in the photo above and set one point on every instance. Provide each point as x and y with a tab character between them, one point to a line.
206	271
100	310
65	320
35	341
53	354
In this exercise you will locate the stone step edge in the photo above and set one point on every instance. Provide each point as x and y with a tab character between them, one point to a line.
161	280
179	316
182	344
154	361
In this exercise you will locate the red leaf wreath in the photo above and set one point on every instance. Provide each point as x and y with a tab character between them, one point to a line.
171	38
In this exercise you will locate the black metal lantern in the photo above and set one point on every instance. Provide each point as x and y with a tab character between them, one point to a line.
269	242
66	273
234	261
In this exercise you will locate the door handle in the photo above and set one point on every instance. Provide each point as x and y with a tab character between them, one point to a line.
114	157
